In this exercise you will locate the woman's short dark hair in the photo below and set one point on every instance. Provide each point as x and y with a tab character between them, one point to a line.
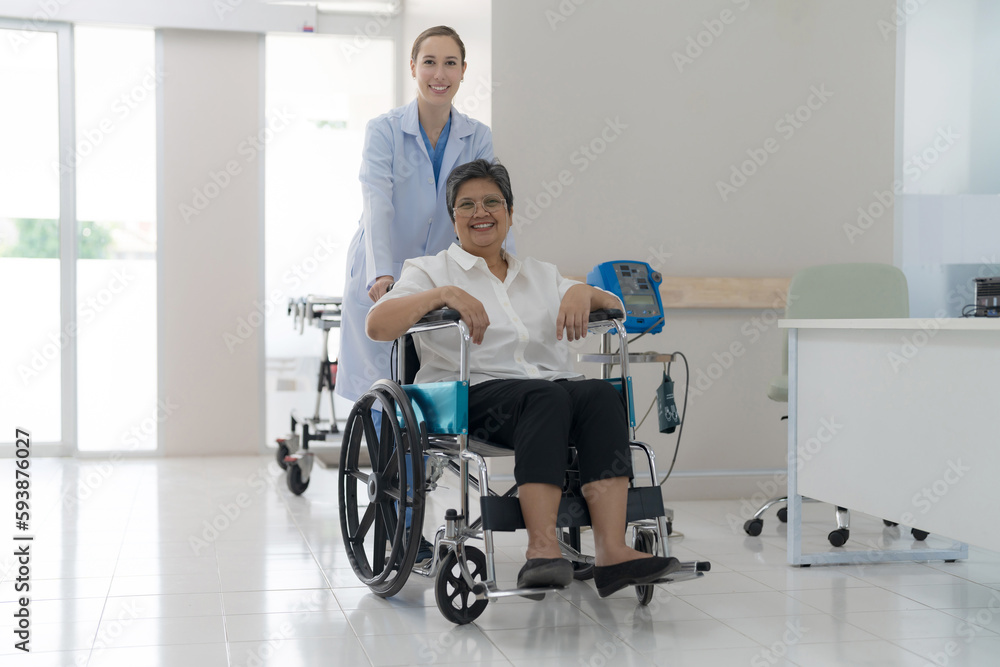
491	171
437	31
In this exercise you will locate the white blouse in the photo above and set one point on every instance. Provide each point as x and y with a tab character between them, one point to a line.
520	342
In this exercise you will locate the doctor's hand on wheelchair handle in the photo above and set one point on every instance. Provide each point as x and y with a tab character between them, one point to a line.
381	286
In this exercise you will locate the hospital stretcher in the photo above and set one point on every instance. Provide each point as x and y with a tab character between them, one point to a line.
293	455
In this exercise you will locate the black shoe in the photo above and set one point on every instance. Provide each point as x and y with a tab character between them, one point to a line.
545	573
613	578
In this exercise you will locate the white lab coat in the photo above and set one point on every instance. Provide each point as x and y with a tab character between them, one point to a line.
404	216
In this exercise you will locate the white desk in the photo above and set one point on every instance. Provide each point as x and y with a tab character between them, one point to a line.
899	419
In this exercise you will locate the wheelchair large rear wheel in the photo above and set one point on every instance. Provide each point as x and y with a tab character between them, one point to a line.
374	502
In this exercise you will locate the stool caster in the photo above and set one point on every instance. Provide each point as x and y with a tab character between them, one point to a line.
919	535
839	537
753	527
783	514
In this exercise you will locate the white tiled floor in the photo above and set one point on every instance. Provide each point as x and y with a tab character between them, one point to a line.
212	562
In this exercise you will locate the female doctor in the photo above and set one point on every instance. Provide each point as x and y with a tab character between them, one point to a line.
408	154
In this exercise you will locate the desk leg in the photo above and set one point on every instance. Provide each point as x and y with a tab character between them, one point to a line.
794	499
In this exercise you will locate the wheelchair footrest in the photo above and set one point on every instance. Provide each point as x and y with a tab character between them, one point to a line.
504	513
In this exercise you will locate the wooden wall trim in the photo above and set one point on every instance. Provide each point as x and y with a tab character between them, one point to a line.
746	293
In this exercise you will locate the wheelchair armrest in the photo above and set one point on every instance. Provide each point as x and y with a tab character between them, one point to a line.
436	319
440	315
605	315
449	315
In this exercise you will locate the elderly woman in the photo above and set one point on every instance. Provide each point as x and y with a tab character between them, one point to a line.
524	393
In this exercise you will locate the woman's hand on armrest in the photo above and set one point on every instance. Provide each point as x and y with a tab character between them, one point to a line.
575	309
470	308
390	319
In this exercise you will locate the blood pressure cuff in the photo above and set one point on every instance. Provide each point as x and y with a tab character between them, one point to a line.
666	406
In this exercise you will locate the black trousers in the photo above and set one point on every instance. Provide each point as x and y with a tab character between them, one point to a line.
540	419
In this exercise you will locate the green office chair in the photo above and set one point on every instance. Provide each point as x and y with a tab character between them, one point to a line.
836	291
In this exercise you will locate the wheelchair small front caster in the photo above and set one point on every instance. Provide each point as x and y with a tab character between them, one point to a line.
919	535
644	541
282	452
293	475
783	514
753	527
839	537
456	600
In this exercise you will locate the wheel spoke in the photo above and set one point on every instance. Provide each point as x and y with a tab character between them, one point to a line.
358	475
374	446
378	550
392	466
389	518
387	419
364	524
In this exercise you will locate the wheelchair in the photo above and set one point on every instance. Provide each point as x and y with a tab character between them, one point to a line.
382	477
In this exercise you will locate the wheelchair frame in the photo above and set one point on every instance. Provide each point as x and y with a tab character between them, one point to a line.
465	576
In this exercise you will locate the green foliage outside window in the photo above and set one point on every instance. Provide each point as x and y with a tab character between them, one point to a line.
39	238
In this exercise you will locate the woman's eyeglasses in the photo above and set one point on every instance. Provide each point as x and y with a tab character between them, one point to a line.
466	208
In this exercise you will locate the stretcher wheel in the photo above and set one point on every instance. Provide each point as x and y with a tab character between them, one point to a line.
293	476
373	505
783	514
644	541
753	527
456	600
839	537
919	535
280	455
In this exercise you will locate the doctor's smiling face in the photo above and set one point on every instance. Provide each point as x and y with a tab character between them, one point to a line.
482	217
438	69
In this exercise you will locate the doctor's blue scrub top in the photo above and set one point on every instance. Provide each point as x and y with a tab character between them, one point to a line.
403	216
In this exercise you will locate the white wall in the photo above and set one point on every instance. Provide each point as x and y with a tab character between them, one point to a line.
663	133
210	240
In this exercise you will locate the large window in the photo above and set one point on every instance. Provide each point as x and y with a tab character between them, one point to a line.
948	157
77	237
32	337
327	89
